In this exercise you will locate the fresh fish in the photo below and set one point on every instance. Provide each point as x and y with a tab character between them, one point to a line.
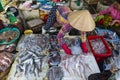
26	68
39	66
17	69
21	67
36	72
32	68
41	61
38	63
28	61
33	53
22	59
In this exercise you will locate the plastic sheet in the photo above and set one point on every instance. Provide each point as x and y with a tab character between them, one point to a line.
78	67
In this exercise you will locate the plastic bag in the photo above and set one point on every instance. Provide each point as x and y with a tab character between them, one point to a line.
108	35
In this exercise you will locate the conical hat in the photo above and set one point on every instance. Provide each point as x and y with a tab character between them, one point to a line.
81	20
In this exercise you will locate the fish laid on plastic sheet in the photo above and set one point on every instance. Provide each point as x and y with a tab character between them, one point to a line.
28	66
78	67
41	43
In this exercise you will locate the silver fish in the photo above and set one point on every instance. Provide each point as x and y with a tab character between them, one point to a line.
25	58
21	67
27	70
17	69
33	53
32	68
36	72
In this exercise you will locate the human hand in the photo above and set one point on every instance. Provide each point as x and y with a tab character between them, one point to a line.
113	70
113	22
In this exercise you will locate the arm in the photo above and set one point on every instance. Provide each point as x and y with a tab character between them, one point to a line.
118	21
65	28
62	13
114	21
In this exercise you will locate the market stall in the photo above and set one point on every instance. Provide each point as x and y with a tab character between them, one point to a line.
38	40
27	58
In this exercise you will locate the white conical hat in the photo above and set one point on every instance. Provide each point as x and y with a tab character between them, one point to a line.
81	20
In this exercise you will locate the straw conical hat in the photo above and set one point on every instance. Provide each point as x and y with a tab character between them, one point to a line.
81	20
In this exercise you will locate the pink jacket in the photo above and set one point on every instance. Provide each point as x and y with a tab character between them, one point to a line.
112	11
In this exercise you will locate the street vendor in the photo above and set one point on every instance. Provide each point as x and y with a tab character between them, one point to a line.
60	14
113	11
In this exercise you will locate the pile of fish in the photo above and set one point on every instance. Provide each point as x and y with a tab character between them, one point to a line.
98	46
41	43
77	67
30	63
36	52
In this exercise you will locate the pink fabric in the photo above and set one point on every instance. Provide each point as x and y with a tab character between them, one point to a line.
111	11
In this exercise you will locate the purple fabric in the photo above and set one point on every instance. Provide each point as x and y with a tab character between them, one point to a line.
63	11
62	19
65	28
112	11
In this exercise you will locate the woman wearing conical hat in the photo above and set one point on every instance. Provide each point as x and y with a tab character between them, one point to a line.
80	20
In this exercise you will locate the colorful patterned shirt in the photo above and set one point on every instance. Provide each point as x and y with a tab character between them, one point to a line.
62	13
59	14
